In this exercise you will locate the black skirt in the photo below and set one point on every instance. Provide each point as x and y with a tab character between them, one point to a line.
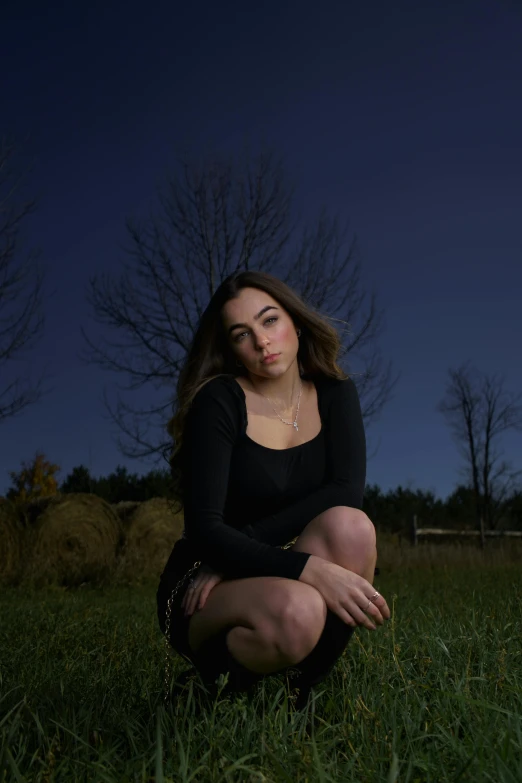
179	624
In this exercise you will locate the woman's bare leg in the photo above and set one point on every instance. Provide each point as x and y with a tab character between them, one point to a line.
344	536
276	622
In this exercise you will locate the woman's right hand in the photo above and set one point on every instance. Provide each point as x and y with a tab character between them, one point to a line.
346	593
199	588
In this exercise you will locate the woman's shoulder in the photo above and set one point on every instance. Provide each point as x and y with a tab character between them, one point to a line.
338	392
223	387
221	395
335	385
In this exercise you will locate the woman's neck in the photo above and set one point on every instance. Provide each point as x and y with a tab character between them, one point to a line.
282	391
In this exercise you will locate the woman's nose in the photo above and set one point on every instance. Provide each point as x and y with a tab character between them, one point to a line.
262	340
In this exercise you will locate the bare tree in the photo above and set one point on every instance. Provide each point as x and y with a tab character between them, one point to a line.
21	318
212	220
478	410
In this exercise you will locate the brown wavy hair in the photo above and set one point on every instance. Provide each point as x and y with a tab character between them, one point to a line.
210	354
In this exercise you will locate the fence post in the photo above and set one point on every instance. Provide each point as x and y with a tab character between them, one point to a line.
414	531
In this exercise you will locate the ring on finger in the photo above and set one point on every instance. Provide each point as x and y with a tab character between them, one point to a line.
368	605
374	596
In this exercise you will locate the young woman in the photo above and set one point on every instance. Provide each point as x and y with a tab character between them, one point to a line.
275	566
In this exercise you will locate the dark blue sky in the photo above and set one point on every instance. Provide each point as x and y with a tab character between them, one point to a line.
404	117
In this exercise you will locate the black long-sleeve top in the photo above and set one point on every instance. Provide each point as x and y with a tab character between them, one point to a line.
242	500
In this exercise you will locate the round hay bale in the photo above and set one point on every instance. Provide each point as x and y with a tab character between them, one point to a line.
76	539
13	542
152	532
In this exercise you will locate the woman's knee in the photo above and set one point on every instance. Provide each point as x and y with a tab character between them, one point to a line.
344	528
297	621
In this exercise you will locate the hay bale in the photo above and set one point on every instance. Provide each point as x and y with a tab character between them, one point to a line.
13	540
152	532
75	541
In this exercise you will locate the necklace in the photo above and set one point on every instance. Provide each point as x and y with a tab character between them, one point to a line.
294	422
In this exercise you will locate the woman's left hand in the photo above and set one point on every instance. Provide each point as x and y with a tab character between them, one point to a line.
197	593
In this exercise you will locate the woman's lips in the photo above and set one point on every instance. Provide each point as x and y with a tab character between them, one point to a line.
271	358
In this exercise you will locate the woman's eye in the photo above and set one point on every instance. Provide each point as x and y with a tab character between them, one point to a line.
272	318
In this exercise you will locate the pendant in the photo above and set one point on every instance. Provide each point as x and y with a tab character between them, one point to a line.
295	425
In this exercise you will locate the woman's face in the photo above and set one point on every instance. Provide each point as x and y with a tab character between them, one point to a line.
256	326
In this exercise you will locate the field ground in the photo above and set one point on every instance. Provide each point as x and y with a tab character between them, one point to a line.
435	696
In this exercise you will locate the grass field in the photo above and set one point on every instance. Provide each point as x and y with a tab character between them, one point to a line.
435	696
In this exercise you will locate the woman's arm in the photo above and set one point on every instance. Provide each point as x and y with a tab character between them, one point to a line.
346	470
210	433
